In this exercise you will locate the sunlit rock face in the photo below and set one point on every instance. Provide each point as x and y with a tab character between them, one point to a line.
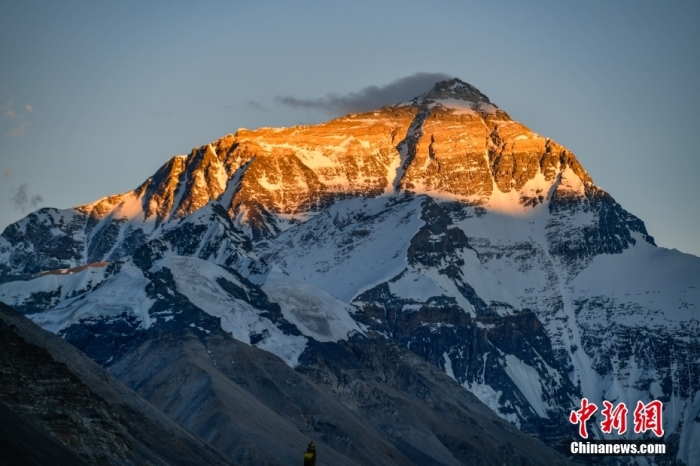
451	142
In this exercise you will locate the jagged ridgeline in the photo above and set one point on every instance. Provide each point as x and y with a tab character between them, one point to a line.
402	262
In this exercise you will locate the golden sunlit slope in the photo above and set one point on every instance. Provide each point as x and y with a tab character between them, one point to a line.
451	142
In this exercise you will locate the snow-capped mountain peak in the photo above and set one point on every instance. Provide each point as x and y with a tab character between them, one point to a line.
440	224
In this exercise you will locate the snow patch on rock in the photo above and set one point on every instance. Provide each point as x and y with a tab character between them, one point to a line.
314	312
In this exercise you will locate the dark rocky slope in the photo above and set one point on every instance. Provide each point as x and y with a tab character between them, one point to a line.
363	401
61	408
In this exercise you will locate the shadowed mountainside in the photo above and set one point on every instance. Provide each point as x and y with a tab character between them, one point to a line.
62	408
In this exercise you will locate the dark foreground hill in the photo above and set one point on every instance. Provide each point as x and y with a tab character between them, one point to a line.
58	407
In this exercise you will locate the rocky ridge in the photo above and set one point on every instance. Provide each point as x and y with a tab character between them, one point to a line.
442	144
66	404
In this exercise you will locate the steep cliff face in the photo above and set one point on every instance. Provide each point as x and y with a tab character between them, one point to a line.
438	224
451	143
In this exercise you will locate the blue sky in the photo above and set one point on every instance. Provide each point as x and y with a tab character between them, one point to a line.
95	96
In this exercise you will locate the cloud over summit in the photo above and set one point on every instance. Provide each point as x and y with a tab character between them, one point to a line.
370	97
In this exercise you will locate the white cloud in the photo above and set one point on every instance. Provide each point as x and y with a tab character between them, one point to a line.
7	111
20	130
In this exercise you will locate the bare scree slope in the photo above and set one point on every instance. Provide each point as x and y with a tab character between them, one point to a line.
437	232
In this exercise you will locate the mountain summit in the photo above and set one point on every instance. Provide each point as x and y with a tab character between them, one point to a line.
394	262
455	89
450	142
